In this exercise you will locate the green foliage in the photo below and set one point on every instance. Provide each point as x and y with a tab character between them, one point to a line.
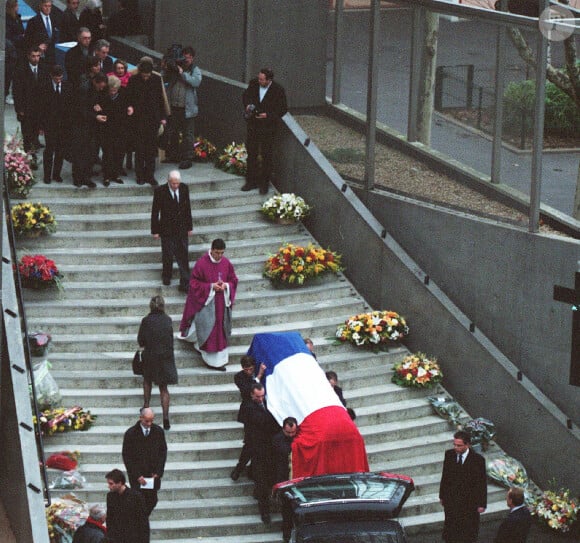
561	114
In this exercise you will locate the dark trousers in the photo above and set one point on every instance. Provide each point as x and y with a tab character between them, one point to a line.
175	247
52	157
113	153
30	127
180	135
145	152
263	479
83	143
259	174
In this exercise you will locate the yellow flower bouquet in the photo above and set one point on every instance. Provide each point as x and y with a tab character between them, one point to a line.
416	370
557	509
373	329
294	265
32	219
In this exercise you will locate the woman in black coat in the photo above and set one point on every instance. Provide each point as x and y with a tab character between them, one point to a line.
156	338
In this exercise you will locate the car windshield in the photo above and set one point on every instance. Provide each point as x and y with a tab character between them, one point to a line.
355	487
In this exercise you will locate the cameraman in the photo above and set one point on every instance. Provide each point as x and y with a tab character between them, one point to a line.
183	79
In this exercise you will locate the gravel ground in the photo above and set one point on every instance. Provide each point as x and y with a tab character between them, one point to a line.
394	170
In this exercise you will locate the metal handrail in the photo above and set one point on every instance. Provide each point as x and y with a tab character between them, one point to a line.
25	344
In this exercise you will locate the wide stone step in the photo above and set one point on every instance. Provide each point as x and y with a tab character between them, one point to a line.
142	221
119	255
204	234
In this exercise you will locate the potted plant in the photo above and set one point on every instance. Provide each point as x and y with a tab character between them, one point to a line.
39	272
295	265
32	219
285	208
374	329
417	370
233	159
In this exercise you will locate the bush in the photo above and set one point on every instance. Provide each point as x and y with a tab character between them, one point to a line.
561	114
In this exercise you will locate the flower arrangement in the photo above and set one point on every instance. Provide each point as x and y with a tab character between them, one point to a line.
446	408
203	150
38	271
64	517
32	219
38	343
233	159
63	419
482	431
557	509
19	176
373	329
293	264
416	370
285	206
507	471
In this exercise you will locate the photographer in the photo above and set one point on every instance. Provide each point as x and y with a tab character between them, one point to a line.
264	105
183	78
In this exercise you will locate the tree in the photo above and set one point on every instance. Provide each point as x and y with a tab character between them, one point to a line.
567	78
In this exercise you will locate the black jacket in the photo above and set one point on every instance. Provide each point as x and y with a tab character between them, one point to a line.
515	528
274	105
169	218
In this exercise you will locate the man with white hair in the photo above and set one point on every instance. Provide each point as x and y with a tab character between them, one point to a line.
171	221
93	530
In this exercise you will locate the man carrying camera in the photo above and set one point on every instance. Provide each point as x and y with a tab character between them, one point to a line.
183	79
265	103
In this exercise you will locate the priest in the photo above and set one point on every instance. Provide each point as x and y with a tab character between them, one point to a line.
207	317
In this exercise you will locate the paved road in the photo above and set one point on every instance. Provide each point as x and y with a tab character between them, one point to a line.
457	46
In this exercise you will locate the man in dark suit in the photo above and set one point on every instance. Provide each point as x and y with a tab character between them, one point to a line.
29	78
260	429
265	104
463	490
43	31
515	528
69	24
75	59
171	221
144	455
56	101
101	51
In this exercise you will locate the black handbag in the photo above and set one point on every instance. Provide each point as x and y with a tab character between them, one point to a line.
138	363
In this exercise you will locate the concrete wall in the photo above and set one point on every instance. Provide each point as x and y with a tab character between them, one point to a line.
530	425
234	39
503	279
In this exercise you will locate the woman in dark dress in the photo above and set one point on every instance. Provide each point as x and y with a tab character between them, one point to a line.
156	338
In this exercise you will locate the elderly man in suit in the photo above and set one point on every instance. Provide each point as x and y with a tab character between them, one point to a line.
43	31
144	455
171	221
515	528
69	24
76	58
101	51
463	490
265	103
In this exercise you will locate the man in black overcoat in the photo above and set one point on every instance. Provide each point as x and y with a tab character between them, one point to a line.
463	490
260	428
75	59
29	78
265	103
69	24
171	221
515	528
126	518
56	101
147	105
43	34
144	455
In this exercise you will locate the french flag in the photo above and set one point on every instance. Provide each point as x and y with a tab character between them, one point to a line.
328	441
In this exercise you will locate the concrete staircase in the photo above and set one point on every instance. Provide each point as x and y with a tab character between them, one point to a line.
112	268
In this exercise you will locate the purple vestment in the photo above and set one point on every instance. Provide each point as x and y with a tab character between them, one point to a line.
204	274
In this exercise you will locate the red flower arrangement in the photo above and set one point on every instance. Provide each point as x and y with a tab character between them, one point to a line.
203	150
37	271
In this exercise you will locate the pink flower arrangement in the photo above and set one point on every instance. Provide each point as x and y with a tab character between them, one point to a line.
19	176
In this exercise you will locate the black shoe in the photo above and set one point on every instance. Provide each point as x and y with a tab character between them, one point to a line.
118	180
266	519
90	184
57	179
106	182
47	181
183	288
77	184
235	474
167	282
249	186
221	368
185	165
153	182
140	182
166	425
